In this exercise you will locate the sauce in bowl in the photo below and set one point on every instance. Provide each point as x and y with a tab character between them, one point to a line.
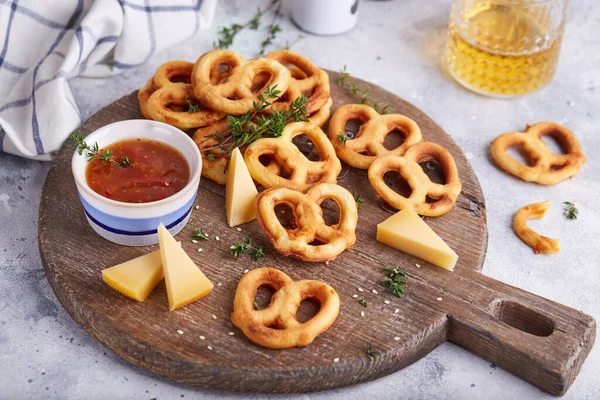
157	171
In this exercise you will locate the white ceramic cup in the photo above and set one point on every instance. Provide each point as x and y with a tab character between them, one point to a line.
135	224
325	17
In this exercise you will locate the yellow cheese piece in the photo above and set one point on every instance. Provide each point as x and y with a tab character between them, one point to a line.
185	282
135	278
240	191
406	231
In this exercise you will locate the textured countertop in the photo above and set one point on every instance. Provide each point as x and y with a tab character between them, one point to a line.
398	45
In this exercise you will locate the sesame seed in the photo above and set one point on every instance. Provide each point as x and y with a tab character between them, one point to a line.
194	241
246	271
197	207
209	347
418	265
219	284
396	311
396	338
179	331
199	249
337	359
326	262
231	333
386	301
217	238
239	229
374	291
360	289
354	296
201	337
362	313
214	316
439	299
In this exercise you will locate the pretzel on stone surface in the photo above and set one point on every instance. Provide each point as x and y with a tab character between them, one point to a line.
167	95
302	172
306	78
548	167
234	94
422	187
320	117
367	144
309	225
276	326
539	243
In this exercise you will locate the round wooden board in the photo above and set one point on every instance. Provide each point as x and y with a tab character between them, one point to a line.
146	333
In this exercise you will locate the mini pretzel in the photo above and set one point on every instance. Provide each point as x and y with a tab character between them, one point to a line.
305	79
309	223
213	170
539	244
302	172
167	96
234	94
367	145
548	167
276	326
422	187
320	117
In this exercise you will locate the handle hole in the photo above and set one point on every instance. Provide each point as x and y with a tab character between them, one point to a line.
523	318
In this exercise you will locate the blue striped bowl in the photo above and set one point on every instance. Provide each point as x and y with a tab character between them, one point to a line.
135	224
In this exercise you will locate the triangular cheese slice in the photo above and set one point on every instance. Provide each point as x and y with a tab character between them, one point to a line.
240	191
185	282
135	278
406	231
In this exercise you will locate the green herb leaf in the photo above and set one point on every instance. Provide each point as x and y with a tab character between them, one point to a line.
343	138
257	253
238	248
199	234
571	212
394	281
192	107
362	302
357	199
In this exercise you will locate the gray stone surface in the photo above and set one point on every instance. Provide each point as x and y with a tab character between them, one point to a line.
397	44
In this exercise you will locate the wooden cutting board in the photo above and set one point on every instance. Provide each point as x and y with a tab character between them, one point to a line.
538	340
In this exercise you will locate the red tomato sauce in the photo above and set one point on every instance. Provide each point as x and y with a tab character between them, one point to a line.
157	171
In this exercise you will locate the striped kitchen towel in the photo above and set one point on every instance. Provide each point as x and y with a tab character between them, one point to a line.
46	42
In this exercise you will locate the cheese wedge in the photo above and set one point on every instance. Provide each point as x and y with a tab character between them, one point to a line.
240	191
135	278
185	282
406	231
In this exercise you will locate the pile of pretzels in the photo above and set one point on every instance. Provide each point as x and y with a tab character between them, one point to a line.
199	96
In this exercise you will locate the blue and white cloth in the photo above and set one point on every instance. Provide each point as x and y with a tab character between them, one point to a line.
43	43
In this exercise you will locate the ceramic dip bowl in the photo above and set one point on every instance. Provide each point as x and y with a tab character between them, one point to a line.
135	224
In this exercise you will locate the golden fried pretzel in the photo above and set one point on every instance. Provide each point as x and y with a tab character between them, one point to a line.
213	170
320	117
548	167
367	145
276	326
168	95
305	79
302	172
234	94
422	187
539	244
309	225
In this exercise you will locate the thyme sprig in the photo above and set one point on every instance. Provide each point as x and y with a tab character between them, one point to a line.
94	151
199	234
226	34
357	199
247	246
192	107
253	125
343	138
571	212
362	94
394	281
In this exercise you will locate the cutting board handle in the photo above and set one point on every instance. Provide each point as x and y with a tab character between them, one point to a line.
539	340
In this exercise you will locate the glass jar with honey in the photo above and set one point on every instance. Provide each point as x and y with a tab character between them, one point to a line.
505	47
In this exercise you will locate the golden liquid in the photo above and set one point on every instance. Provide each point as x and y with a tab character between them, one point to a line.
503	50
